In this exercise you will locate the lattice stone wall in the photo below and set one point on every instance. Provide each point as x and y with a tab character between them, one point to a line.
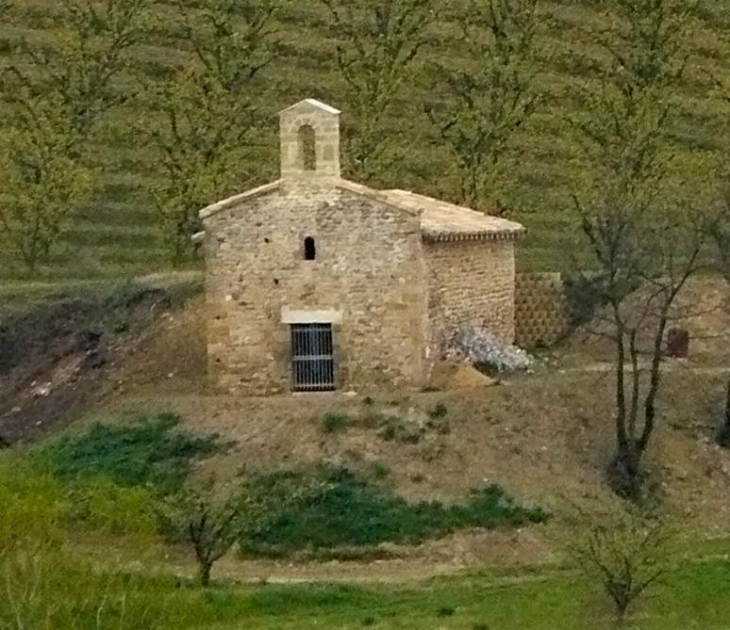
541	309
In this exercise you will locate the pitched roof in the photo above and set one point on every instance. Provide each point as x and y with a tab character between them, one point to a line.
314	103
443	221
217	207
440	220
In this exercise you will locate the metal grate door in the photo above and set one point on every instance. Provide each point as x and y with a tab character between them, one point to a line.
313	364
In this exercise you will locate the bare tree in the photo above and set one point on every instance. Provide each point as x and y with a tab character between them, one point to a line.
379	40
213	521
57	95
491	96
211	526
640	231
206	113
623	552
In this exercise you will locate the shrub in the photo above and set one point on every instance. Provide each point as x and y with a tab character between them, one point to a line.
439	411
483	349
334	422
380	471
625	553
585	295
446	611
351	512
401	430
144	453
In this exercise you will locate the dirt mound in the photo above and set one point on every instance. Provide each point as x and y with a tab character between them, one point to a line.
59	356
448	375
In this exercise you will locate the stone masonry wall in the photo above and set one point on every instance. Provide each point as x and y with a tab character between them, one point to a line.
542	314
369	266
470	282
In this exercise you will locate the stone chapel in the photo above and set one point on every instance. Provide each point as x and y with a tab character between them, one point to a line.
317	283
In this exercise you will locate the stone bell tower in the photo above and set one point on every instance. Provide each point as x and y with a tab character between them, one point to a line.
310	140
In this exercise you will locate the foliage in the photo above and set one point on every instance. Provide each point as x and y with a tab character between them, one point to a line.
626	553
404	427
147	452
482	348
490	97
439	411
350	512
209	524
334	422
205	113
57	94
638	230
120	230
379	41
99	505
212	522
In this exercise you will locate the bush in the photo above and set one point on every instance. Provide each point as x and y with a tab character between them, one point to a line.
625	553
145	453
380	471
585	295
334	422
351	512
483	349
439	411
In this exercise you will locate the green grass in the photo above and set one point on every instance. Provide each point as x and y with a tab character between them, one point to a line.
351	512
695	596
148	452
118	231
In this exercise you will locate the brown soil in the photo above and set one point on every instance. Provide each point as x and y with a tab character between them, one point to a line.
61	356
451	375
546	437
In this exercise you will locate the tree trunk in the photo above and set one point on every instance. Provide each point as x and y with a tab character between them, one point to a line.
622	438
654	380
723	438
204	569
625	473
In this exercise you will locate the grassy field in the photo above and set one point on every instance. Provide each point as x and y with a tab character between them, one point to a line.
695	597
118	234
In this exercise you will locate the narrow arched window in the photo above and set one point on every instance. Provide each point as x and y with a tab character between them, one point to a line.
310	251
307	148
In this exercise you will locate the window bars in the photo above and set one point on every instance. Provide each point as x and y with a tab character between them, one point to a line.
313	364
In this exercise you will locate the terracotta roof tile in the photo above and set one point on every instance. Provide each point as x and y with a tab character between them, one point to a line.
441	220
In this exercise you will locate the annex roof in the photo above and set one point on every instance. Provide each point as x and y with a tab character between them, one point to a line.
443	221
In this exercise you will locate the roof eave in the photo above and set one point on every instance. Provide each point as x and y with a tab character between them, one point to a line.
225	204
443	237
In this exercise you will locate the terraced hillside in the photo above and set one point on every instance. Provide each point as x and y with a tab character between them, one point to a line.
118	234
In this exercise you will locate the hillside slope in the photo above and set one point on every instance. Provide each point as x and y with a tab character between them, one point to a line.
546	437
117	233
